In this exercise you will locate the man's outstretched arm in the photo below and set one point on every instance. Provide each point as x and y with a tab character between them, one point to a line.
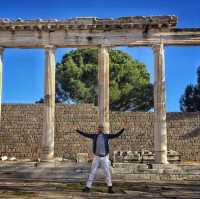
111	136
88	135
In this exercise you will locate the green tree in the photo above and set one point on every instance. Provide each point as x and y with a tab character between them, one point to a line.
190	100
130	87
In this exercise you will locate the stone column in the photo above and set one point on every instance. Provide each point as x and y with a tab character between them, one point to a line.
49	105
103	83
160	129
1	74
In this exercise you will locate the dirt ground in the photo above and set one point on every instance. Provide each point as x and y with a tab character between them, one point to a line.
53	190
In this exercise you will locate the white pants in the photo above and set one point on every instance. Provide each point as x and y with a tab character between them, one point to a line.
104	163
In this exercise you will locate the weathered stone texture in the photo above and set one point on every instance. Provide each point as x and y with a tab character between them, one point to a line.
21	130
89	23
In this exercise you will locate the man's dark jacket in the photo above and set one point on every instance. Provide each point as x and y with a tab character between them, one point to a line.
106	138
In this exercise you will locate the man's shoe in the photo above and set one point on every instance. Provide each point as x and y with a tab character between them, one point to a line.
110	190
86	189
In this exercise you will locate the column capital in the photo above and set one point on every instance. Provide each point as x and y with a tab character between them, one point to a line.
156	47
102	50
1	50
101	46
49	47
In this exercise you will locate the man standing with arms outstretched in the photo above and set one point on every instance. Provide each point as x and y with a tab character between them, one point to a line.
101	151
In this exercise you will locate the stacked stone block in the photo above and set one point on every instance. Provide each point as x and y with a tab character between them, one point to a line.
22	126
69	118
21	130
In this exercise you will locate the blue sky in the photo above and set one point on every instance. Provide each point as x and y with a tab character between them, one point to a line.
23	70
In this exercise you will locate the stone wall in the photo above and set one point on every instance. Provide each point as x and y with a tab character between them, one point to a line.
21	129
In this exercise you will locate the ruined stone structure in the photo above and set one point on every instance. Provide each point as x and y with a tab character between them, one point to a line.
154	32
22	130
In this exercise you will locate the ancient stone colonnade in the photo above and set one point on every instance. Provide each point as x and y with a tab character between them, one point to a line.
154	32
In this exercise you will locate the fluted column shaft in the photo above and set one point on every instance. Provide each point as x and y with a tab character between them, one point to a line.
160	129
49	105
103	83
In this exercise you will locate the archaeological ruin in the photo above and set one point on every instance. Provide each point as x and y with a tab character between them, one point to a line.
48	130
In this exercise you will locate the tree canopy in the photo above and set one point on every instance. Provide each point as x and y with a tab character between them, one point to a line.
130	87
190	100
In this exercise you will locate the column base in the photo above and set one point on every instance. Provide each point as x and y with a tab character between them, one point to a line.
161	157
46	154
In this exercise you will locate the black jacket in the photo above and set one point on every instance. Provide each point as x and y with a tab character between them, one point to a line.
106	138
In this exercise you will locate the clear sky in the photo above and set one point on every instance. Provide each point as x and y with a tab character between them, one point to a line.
23	70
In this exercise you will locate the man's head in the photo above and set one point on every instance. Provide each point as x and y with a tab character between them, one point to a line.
100	128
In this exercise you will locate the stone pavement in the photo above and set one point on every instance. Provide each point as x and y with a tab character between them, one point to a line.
53	190
28	180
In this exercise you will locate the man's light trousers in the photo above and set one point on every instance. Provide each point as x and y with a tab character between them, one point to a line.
104	163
